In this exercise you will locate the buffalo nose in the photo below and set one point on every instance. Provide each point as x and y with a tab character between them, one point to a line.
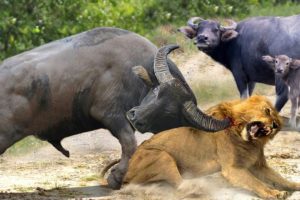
203	38
279	71
131	114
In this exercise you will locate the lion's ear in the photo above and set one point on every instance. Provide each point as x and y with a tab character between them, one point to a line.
226	109
221	111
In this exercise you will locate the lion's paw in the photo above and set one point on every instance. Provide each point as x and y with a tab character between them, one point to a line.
276	194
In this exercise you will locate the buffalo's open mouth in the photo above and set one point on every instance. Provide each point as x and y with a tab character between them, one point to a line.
256	129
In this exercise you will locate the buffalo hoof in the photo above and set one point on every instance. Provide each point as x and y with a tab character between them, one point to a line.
114	180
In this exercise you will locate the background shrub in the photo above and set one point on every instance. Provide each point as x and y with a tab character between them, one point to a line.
25	24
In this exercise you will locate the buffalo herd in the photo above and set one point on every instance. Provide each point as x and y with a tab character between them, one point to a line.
240	47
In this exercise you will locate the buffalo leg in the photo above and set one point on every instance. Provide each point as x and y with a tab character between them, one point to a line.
298	103
251	86
128	143
120	128
241	83
294	107
281	94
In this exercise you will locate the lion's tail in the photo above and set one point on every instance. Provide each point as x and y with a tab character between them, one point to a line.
107	167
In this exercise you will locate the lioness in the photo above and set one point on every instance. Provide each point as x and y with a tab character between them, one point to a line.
237	152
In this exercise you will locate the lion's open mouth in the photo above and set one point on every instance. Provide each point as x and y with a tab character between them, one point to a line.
255	130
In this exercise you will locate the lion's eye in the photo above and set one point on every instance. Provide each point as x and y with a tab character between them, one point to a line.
268	111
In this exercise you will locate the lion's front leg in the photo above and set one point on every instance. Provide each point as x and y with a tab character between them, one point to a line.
243	178
268	175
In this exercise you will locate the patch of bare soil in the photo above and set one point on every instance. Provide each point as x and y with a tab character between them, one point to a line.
199	66
47	174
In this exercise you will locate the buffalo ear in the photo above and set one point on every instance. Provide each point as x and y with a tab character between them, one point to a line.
268	59
229	35
142	73
188	31
295	64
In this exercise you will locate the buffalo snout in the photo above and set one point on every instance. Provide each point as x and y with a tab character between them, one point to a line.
131	114
137	120
202	38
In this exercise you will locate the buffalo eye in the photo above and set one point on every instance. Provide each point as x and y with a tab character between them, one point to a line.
276	61
287	64
268	111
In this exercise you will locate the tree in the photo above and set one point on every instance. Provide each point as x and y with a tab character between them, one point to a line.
25	24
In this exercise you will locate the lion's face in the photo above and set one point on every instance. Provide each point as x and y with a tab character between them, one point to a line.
256	118
253	119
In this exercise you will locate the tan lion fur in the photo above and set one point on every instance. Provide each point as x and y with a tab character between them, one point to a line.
182	151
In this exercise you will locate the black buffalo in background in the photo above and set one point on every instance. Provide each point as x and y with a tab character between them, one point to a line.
240	46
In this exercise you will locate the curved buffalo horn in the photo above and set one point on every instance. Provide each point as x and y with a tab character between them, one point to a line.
202	121
232	26
161	68
192	22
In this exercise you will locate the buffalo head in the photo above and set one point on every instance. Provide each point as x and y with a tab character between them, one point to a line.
169	104
281	64
208	34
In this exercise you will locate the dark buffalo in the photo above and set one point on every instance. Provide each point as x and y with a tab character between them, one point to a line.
86	82
168	102
239	48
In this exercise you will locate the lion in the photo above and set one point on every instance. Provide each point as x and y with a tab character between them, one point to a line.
238	152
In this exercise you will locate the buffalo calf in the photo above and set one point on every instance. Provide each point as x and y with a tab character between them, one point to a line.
288	70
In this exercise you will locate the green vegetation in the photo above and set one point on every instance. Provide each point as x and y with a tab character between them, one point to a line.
268	9
212	92
26	145
25	24
90	178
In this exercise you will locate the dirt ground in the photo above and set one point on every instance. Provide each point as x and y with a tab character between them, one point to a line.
45	173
